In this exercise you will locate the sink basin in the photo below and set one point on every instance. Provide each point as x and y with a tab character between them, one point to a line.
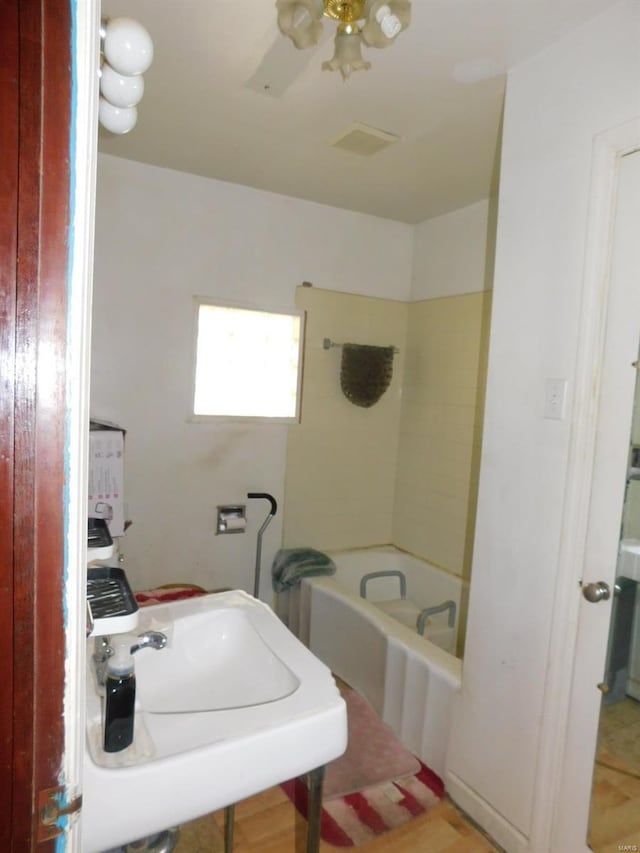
234	704
212	664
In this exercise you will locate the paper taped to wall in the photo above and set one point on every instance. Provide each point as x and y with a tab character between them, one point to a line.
106	478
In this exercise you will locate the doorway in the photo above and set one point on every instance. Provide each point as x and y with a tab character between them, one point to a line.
614	821
614	814
596	482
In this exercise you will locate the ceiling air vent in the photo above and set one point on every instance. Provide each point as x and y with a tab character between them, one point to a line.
364	140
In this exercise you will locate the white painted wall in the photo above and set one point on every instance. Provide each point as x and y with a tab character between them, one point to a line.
453	253
556	104
161	237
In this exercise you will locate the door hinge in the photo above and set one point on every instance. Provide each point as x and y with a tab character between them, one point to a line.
51	809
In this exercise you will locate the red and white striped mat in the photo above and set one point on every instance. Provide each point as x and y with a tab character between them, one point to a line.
354	819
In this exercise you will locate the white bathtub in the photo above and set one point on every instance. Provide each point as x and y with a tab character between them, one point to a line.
410	681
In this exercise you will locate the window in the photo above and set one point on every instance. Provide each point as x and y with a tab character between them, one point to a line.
248	362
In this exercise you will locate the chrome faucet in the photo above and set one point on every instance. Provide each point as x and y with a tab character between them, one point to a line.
103	650
150	640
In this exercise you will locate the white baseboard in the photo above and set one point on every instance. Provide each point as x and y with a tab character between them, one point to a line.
500	830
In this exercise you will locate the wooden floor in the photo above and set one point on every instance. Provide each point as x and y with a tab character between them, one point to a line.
269	823
615	804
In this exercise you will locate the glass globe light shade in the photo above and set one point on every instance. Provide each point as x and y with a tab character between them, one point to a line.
119	90
300	21
127	46
116	119
389	23
347	56
385	21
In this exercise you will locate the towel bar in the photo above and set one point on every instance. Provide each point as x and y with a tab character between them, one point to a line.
327	343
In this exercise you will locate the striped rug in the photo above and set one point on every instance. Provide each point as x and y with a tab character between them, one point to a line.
354	819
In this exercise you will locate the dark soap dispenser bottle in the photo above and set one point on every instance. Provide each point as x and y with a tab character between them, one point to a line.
120	696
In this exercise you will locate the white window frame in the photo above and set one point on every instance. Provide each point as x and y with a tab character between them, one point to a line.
199	301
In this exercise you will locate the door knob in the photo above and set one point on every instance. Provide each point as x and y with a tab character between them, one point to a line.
595	592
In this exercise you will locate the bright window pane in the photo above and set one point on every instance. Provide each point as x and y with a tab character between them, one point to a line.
247	363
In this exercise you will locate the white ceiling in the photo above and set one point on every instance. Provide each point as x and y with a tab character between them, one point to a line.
440	88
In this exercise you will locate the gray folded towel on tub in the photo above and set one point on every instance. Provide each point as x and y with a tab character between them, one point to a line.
290	565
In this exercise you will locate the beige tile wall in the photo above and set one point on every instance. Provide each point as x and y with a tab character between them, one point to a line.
440	429
404	471
341	458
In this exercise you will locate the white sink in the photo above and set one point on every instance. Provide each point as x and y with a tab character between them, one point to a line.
629	559
233	705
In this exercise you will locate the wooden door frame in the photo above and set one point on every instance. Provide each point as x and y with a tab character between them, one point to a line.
8	251
36	243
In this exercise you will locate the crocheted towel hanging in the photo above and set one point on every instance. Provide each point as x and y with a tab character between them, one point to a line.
365	373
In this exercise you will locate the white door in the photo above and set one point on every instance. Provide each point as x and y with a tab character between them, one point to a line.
615	407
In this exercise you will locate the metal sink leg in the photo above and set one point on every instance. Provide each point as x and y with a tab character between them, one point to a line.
228	829
316	779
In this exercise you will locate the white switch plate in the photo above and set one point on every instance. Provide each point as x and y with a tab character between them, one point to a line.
555	393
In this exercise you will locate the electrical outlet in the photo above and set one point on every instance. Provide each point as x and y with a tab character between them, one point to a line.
554	398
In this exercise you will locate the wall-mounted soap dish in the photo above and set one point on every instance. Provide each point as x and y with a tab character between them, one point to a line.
99	542
113	606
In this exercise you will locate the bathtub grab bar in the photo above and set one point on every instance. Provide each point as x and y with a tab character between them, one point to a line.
390	573
437	608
